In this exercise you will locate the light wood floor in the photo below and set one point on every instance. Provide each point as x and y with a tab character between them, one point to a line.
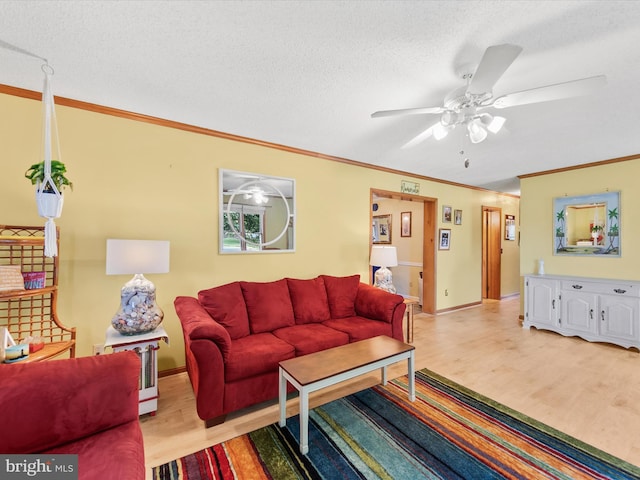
588	390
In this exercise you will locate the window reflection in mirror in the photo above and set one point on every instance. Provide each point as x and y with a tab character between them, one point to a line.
257	213
587	225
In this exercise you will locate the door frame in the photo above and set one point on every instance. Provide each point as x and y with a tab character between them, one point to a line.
430	222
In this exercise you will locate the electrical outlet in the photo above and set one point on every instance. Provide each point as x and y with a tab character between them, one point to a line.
446	292
98	348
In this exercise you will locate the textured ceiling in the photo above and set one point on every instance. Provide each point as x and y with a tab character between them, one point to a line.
308	74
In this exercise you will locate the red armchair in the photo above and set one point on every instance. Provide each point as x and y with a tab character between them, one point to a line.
86	406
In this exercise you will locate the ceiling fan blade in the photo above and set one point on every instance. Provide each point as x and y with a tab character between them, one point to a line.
420	137
407	111
558	91
494	63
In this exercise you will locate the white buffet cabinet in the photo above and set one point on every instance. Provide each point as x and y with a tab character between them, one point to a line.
598	310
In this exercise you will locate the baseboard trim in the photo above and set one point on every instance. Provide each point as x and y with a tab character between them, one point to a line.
171	371
458	307
510	295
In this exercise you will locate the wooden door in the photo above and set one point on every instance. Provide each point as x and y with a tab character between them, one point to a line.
429	258
491	252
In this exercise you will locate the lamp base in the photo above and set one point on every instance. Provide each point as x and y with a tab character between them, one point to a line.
384	280
139	313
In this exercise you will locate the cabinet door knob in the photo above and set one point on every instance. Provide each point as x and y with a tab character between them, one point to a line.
591	314
577	287
619	290
553	303
602	315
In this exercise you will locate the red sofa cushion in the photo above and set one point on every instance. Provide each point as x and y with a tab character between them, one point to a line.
255	354
125	458
226	306
309	300
311	338
359	328
268	305
341	292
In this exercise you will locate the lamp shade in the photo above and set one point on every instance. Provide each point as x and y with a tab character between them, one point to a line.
137	256
382	256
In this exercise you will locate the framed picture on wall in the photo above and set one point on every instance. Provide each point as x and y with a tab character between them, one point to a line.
381	229
457	217
510	227
444	236
405	224
446	214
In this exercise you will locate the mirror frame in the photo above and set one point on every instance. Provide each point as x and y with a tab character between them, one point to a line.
612	235
277	187
381	229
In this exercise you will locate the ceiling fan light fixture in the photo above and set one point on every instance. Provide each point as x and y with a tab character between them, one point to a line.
477	133
440	131
496	124
449	117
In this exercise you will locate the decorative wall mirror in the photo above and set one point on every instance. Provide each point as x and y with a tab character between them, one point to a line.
381	229
587	225
257	213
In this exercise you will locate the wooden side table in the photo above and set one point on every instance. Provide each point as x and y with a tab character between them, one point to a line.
410	303
146	346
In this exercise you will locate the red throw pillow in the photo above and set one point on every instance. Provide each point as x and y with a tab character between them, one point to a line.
309	300
268	305
341	292
226	306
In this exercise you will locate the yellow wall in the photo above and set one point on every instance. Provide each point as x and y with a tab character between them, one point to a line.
139	180
537	194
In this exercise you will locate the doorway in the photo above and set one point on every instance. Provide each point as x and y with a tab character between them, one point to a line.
429	219
491	252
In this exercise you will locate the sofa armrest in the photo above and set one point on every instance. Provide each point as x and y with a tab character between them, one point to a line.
46	404
376	304
197	324
207	345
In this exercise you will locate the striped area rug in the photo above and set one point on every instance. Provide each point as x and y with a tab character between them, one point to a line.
449	432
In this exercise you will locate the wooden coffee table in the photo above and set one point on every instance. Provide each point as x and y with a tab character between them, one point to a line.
312	372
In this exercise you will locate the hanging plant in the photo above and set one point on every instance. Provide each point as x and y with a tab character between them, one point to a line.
49	175
49	197
36	174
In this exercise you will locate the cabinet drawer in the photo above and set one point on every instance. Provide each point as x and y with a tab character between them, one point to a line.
613	288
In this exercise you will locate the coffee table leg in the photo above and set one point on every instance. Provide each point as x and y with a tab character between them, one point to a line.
412	376
384	375
304	421
282	398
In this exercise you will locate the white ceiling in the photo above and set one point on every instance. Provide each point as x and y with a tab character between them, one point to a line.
308	74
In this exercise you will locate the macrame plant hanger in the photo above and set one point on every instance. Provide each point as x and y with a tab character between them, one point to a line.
48	207
49	203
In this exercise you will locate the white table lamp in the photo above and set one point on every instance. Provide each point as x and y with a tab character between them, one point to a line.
138	311
384	257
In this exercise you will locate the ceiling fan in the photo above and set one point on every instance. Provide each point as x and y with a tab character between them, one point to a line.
466	105
257	194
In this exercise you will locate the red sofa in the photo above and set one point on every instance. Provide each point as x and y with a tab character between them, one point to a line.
236	334
86	406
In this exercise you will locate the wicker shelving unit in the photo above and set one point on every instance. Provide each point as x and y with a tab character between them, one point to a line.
33	312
